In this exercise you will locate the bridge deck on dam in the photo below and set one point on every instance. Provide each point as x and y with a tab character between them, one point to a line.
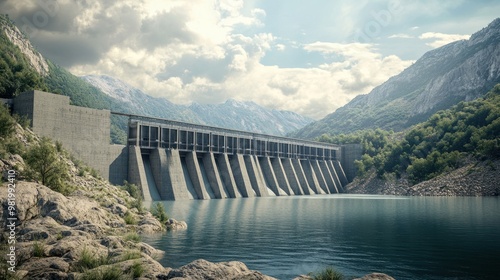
173	160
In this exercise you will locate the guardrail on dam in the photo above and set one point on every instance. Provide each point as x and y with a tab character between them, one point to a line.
177	160
173	160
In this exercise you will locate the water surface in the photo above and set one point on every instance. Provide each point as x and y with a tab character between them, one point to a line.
407	238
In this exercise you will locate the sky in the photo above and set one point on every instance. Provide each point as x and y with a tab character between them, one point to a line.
309	57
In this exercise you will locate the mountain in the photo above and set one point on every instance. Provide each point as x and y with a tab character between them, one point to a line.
24	68
240	115
460	71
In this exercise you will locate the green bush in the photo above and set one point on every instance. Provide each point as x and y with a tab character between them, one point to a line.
328	273
7	123
158	210
46	166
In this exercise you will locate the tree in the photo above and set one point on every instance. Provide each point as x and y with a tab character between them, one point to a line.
46	166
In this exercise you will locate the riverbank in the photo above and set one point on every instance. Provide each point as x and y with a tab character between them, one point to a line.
476	178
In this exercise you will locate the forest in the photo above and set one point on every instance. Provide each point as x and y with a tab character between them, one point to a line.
447	140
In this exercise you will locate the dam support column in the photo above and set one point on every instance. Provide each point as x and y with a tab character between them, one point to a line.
267	170
195	174
241	178
227	176
319	176
137	173
329	163
299	171
255	174
311	177
292	176
281	176
328	177
340	173
213	175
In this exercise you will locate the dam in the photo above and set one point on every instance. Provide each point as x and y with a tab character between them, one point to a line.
172	160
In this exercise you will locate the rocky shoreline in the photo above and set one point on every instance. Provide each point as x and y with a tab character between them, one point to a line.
476	178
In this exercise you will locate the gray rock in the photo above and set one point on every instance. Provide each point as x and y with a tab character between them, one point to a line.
375	276
173	224
202	269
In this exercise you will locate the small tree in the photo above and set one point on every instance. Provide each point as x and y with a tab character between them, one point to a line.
45	165
7	123
158	210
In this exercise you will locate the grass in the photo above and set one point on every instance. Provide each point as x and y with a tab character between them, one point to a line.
38	249
129	218
89	260
107	273
137	270
134	237
328	273
131	255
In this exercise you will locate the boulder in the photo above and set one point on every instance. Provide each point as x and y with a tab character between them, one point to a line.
202	269
376	276
173	224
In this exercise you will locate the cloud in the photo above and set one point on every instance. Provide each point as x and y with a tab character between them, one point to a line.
441	39
401	35
204	51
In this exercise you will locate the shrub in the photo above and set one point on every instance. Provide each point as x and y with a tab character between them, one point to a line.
328	273
7	123
46	167
158	210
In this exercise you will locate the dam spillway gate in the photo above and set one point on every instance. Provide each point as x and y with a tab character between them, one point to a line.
173	160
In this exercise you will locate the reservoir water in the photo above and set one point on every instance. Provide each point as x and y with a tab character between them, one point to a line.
405	237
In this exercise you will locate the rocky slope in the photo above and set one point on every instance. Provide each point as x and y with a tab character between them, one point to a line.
459	71
247	116
473	179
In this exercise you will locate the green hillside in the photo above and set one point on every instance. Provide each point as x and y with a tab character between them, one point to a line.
16	74
440	144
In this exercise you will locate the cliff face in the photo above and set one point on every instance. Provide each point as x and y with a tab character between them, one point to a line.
35	59
459	71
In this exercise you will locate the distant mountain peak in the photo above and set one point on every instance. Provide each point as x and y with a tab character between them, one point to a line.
245	115
459	71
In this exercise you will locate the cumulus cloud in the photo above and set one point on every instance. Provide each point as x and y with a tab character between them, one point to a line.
441	39
195	51
400	35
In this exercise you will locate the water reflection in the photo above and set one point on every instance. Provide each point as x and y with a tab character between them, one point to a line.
409	238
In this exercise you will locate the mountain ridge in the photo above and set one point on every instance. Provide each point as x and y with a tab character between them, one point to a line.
232	114
459	71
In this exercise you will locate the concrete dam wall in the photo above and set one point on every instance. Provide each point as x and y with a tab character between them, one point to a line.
173	160
180	161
